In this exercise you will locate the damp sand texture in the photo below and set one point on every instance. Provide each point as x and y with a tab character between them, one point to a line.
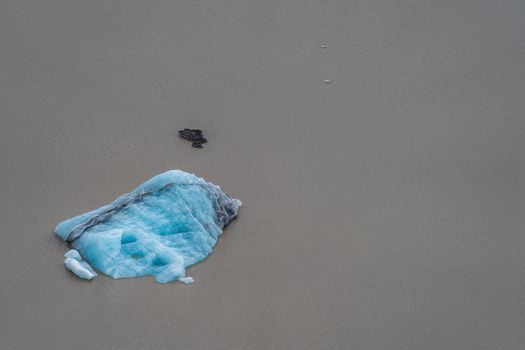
383	211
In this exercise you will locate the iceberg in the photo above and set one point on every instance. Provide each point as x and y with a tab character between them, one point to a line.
168	223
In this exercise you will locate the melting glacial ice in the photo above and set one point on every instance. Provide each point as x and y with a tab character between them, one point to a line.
166	224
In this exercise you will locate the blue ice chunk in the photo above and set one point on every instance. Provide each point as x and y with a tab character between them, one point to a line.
166	224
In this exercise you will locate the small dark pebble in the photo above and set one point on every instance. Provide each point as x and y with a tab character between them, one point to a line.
193	135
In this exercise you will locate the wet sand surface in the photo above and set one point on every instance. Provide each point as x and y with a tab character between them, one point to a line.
384	210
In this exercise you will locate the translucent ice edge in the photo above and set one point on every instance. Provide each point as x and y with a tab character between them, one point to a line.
166	224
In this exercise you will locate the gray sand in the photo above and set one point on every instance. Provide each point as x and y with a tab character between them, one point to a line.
382	211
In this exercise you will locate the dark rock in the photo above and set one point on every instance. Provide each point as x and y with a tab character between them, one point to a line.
193	135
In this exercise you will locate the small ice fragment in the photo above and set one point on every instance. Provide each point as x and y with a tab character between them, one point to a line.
328	81
186	280
323	46
80	268
73	254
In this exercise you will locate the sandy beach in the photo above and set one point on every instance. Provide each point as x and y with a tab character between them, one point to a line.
383	209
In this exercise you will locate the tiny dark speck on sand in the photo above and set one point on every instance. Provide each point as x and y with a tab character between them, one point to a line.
193	135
